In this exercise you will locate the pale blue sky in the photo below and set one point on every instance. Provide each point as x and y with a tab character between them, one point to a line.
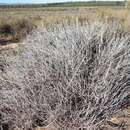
42	1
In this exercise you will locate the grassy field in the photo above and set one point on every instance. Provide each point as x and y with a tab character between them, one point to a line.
17	20
68	4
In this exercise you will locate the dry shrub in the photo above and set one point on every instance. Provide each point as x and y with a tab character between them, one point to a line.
23	27
17	28
73	77
6	29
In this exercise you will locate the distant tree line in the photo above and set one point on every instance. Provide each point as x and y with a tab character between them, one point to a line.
67	4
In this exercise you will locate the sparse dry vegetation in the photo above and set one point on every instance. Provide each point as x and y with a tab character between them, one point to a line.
70	69
46	16
17	22
15	29
67	77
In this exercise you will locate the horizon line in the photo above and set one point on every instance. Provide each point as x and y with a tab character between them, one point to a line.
61	2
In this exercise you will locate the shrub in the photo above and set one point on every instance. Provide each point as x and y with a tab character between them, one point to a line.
22	28
6	29
72	77
17	28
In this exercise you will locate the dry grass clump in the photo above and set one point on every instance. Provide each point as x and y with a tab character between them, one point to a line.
17	29
73	77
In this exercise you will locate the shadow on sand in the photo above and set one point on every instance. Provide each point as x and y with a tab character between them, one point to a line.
6	42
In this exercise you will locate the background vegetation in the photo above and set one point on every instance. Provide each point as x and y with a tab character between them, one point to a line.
69	4
18	20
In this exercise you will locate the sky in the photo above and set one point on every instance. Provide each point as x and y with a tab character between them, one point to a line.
42	1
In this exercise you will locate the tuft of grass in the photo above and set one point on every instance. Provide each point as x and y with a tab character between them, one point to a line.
109	15
6	29
23	27
17	29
